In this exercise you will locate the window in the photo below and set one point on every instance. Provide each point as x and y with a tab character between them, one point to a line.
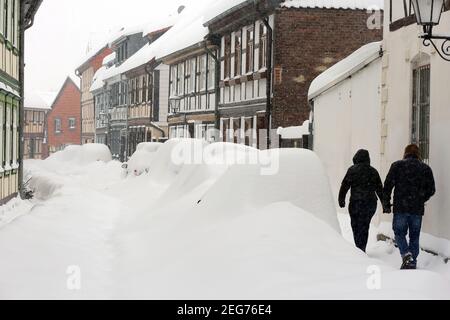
227	57
180	80
211	72
144	89
420	128
262	46
137	88
57	125
238	53
13	22
132	91
29	116
173	80
190	75
5	18
150	87
202	73
72	123
250	49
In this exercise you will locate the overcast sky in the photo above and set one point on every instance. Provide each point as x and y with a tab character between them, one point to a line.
64	28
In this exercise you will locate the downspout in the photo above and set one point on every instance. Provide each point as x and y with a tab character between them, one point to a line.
266	22
216	42
269	81
22	28
77	73
151	118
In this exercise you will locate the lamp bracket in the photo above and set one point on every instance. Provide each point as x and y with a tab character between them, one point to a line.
428	39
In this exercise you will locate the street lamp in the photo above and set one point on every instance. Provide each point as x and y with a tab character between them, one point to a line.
428	14
175	105
175	108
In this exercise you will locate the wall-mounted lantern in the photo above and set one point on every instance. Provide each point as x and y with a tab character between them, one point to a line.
428	14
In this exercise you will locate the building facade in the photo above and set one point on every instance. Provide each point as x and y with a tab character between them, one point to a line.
387	102
64	120
303	43
192	86
148	104
35	134
415	104
12	12
86	73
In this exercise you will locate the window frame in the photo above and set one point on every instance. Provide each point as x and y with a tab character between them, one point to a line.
250	50
58	124
238	53
70	120
421	109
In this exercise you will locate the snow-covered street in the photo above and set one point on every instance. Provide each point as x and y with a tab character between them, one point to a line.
188	231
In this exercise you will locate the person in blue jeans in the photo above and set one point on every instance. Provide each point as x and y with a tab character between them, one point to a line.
413	183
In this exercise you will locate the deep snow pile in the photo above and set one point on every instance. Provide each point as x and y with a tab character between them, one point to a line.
207	221
140	161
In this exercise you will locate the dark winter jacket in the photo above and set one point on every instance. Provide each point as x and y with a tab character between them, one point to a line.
414	185
363	180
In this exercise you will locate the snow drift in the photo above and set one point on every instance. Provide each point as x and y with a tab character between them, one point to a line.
216	221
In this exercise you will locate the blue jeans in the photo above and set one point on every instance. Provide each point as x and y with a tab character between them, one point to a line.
403	223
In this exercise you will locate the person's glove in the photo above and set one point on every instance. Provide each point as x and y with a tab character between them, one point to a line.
387	209
342	204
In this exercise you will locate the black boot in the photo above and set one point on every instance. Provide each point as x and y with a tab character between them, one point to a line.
408	262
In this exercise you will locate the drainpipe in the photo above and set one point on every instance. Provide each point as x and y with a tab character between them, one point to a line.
22	28
77	73
149	73
215	40
269	81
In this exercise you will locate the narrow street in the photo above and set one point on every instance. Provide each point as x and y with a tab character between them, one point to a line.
129	238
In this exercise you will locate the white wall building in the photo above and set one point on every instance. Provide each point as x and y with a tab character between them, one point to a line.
416	105
402	98
346	103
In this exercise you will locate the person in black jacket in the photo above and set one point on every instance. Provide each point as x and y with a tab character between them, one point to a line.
365	184
414	185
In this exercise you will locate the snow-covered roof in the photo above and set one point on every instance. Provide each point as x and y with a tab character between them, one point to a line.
40	99
91	54
222	7
187	31
126	31
99	77
345	68
109	58
294	132
334	4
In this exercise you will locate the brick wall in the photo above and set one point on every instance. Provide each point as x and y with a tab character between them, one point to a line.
67	105
307	42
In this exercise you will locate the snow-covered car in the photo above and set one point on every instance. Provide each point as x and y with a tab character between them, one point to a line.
141	160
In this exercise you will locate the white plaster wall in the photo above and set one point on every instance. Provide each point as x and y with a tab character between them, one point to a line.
402	46
346	119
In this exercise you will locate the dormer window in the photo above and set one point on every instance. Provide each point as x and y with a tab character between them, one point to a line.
122	52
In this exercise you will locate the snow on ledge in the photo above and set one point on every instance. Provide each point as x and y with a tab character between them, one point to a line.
345	68
294	132
8	89
334	4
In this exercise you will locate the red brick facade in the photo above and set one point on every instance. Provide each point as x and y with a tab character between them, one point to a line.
66	108
306	43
